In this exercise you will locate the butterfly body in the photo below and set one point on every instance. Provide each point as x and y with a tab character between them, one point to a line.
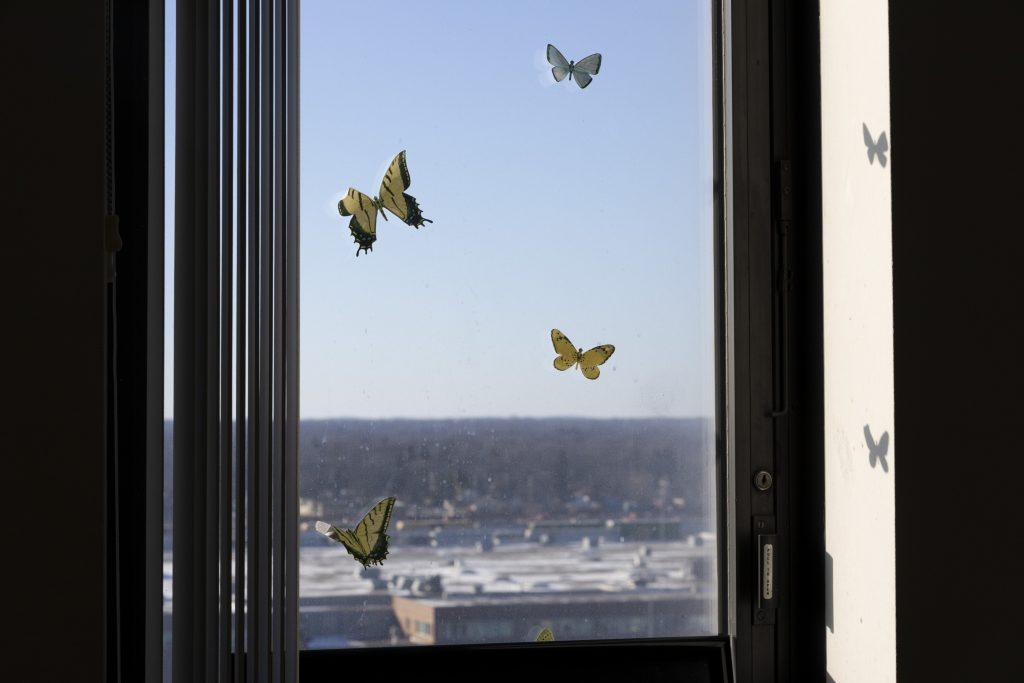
581	72
368	541
391	196
569	356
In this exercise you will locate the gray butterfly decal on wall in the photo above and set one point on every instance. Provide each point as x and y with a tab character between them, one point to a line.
876	148
877	451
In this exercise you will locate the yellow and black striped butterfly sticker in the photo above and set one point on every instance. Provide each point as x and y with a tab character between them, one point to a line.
391	196
368	542
569	355
545	635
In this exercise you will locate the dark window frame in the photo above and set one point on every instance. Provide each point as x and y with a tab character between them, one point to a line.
774	82
135	329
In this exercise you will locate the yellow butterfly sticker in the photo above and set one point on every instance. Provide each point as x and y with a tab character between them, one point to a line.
368	542
569	355
391	196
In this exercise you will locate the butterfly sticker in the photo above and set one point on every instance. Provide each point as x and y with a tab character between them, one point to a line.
545	635
368	542
581	71
391	196
569	356
876	148
877	451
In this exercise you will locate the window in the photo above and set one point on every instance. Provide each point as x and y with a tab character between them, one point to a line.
525	495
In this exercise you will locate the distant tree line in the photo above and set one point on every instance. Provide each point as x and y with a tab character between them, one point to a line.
502	468
490	468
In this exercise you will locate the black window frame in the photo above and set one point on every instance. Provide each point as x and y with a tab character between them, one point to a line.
774	82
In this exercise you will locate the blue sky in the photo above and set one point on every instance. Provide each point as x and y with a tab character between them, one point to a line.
586	210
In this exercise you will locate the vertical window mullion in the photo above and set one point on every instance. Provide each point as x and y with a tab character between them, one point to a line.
212	426
252	494
262	606
277	431
241	421
291	339
226	321
191	347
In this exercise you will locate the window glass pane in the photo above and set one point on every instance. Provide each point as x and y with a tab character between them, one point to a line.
526	497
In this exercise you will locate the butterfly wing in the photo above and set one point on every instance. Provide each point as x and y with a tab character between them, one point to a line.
560	66
582	78
589	65
371	532
363	225
342	536
870	142
545	635
883	147
555	57
883	444
567	354
392	193
870	440
594	357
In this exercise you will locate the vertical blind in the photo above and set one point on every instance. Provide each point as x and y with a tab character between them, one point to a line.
235	567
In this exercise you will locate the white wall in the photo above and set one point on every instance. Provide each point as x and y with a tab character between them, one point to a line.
858	339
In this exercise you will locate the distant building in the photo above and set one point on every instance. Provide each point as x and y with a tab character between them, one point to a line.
310	508
513	617
650	530
594	587
366	620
